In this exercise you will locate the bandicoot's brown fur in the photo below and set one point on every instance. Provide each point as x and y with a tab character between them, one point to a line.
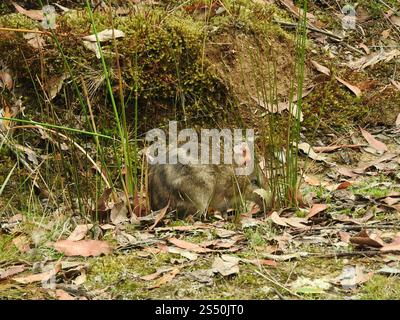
196	188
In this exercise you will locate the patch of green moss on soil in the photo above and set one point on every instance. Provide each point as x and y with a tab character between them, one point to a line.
381	288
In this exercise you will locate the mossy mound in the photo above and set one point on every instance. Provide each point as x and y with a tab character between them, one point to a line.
179	65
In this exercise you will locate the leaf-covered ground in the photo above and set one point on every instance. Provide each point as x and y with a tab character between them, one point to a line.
343	242
346	246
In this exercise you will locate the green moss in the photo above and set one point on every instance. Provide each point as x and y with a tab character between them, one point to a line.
8	251
254	237
197	237
10	291
381	288
374	8
17	21
373	192
374	187
162	58
122	272
320	192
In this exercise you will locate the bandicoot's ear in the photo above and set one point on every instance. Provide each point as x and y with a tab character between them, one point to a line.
242	154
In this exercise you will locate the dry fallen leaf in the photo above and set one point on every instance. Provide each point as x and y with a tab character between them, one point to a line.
92	46
312	181
335	147
35	40
80	232
277	219
166	278
391	247
188	245
226	265
156	274
374	58
11	271
54	84
107	226
105	35
316	208
391	200
119	212
33	14
184	253
309	151
321	68
284	222
6	80
353	276
377	145
395	20
63	295
159	216
394	245
344	236
39	277
367	238
343	185
84	248
351	87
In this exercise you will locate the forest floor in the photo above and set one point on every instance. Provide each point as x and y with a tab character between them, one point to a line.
342	243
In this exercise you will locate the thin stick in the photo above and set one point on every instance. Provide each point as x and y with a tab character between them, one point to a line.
279	294
4	139
368	253
386	226
344	227
389	7
84	152
25	31
327	33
